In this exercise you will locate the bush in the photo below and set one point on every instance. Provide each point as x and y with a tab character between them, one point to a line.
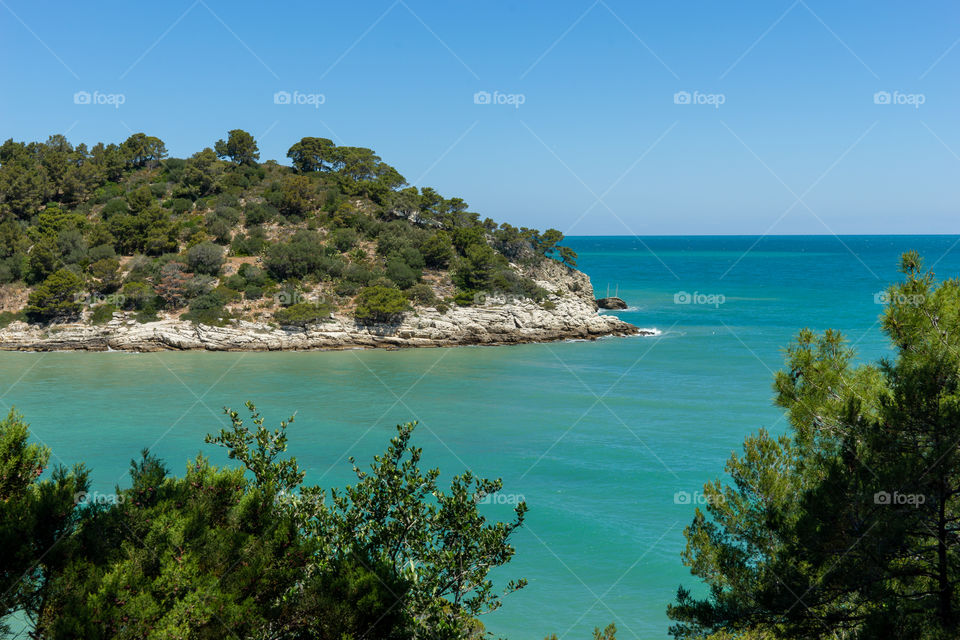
380	304
205	257
437	250
181	205
399	272
207	309
258	213
302	314
57	298
300	257
102	313
343	239
6	317
421	294
138	296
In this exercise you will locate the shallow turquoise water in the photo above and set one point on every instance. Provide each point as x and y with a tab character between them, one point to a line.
598	437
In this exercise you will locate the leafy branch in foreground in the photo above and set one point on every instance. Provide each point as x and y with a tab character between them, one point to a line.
435	543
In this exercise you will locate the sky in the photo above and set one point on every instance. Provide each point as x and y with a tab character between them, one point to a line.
596	117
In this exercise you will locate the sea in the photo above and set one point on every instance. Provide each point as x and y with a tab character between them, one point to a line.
608	442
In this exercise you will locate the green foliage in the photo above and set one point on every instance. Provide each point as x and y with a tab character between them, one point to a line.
102	313
205	258
303	313
380	304
301	256
6	317
240	147
248	552
401	273
57	298
438	250
422	294
35	516
208	308
312	154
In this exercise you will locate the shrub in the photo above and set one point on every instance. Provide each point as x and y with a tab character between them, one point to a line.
114	207
6	317
302	314
138	296
300	257
56	298
205	257
258	213
422	294
102	313
380	304
181	205
437	251
401	273
343	239
207	309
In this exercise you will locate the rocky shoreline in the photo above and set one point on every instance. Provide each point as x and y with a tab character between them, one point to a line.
572	314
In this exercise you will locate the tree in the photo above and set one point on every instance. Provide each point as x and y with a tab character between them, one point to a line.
312	154
437	250
474	272
302	314
37	519
435	543
380	304
205	257
848	525
57	297
142	150
240	147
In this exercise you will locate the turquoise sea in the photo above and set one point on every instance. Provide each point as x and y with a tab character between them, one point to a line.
607	441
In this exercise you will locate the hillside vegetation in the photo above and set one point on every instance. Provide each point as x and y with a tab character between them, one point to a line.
86	232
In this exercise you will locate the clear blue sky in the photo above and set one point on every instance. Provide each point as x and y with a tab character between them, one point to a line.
599	145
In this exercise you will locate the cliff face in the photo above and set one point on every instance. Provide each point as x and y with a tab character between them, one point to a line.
493	321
